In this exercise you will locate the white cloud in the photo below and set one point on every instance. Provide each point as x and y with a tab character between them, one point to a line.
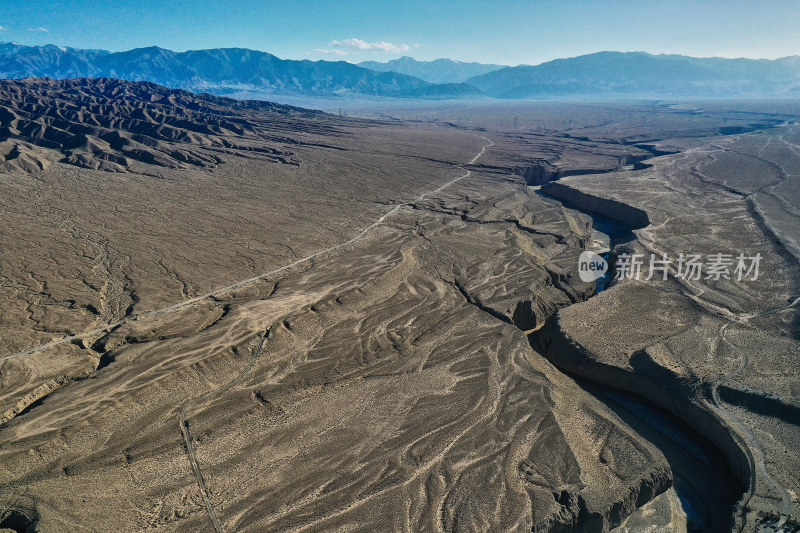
364	46
331	51
3	28
39	29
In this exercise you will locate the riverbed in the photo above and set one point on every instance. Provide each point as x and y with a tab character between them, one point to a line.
706	488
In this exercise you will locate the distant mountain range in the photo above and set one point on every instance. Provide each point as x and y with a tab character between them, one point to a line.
637	74
218	71
232	71
437	71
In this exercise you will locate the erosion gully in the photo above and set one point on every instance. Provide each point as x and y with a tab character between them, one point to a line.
703	477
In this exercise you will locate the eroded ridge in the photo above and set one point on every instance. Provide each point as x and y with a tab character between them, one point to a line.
111	124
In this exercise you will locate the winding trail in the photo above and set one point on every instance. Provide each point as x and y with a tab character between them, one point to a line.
185	303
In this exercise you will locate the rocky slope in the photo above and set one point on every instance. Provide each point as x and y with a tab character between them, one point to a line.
334	345
109	124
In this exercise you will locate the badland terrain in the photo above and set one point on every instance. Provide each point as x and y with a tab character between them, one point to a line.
234	315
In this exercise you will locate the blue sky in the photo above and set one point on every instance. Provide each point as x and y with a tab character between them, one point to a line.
512	32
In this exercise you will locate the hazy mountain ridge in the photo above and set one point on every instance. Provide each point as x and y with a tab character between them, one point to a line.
642	74
232	71
436	71
220	71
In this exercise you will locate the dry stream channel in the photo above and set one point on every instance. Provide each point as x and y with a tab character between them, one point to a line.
703	479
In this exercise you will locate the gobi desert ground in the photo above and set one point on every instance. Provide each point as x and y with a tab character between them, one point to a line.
221	315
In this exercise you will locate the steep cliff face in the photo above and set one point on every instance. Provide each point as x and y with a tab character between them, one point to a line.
624	213
644	321
713	351
543	173
679	394
537	174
